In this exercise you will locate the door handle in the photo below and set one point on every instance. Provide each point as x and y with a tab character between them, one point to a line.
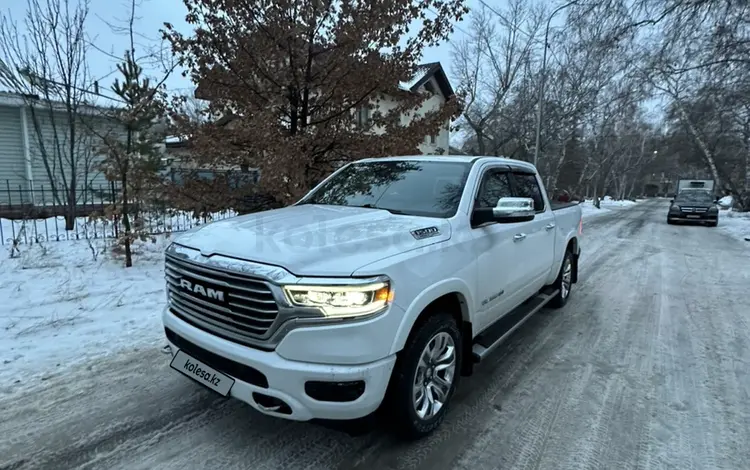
518	237
550	226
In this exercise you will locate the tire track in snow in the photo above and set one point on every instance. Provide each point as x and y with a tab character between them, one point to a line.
574	438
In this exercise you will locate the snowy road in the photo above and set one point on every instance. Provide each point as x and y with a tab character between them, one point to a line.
646	367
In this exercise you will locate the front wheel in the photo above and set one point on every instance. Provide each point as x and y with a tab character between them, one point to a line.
426	377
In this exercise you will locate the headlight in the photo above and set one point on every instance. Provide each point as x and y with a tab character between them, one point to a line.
342	301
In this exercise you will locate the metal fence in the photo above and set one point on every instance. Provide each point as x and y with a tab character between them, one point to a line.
35	216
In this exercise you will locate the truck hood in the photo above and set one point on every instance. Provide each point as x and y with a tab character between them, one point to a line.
702	205
317	240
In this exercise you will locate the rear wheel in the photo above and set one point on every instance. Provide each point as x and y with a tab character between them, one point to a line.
564	282
426	377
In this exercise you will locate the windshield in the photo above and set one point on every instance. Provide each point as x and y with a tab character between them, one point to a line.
428	189
695	196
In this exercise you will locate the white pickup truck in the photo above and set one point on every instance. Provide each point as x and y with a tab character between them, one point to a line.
381	287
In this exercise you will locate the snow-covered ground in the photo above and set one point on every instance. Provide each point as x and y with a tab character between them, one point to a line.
736	224
62	305
606	206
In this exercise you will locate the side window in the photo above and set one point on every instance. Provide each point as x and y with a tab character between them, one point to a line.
527	186
495	184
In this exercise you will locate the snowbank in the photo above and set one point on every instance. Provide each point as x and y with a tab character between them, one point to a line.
736	224
726	202
609	202
606	206
589	210
61	306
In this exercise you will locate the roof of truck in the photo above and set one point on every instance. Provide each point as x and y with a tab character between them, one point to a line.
453	158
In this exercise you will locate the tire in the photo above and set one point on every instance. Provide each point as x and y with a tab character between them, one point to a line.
563	283
402	400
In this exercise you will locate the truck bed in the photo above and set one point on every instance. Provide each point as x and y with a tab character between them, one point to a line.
555	205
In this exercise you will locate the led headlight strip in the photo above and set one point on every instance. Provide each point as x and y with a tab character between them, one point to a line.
342	301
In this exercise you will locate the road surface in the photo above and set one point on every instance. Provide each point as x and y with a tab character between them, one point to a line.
646	367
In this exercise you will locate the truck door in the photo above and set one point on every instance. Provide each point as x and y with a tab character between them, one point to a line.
498	259
538	236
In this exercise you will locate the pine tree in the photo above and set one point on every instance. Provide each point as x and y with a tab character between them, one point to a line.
132	154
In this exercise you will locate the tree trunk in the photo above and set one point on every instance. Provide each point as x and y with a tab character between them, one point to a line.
704	148
71	219
124	168
558	167
70	210
631	190
597	202
126	219
620	187
481	146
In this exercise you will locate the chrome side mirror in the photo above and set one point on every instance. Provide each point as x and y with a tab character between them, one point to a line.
514	209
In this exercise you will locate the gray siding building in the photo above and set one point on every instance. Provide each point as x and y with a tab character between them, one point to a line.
35	150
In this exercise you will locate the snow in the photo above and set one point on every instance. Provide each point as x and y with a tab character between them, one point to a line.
735	224
68	299
726	201
422	70
606	205
62	305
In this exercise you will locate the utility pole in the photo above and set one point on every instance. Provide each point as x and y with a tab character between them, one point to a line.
543	77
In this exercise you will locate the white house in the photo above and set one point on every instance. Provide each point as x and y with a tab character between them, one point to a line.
35	149
430	78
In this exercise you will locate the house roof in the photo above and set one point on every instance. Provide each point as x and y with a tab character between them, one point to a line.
424	73
17	100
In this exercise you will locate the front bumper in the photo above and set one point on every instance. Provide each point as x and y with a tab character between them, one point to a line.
262	374
697	218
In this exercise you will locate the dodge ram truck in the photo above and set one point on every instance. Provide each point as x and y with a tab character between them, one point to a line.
378	290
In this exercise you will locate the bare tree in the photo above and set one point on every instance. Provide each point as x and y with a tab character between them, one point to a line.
489	63
47	65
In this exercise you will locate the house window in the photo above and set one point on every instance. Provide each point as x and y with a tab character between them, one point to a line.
433	139
430	89
362	117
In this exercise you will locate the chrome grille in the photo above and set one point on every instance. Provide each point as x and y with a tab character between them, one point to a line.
228	304
697	210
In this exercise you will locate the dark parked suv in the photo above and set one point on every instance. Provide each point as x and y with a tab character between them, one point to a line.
694	206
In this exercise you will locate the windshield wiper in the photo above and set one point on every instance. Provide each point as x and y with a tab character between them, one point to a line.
372	206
